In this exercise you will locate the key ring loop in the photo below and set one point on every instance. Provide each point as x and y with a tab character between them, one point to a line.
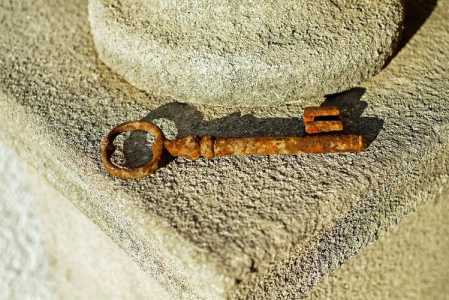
107	149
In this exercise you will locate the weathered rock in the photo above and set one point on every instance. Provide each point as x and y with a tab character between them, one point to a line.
245	52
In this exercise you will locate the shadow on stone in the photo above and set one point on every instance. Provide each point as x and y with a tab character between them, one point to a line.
352	109
416	14
187	120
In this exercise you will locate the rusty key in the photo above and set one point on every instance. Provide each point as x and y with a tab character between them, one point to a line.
318	122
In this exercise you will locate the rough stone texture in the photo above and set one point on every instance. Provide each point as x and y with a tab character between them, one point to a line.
257	227
24	266
408	263
50	250
84	262
39	226
245	52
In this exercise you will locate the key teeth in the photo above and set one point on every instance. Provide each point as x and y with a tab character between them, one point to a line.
313	125
323	127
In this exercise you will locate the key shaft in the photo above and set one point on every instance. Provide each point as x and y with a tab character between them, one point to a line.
193	147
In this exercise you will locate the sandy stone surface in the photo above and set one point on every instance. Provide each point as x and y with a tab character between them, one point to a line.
234	227
249	53
50	250
408	262
24	263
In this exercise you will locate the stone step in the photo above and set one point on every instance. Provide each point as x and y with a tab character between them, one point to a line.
245	52
260	227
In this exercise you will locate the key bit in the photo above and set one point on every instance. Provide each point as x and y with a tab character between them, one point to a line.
322	119
318	122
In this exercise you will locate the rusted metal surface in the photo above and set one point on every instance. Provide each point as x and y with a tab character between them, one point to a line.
107	149
318	140
289	145
207	147
188	147
322	119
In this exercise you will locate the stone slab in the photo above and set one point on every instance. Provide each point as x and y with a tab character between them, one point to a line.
24	267
408	262
50	250
235	227
249	53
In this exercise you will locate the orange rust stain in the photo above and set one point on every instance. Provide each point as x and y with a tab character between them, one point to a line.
207	147
188	147
289	145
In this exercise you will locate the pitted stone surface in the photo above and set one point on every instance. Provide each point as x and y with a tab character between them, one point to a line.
265	227
245	52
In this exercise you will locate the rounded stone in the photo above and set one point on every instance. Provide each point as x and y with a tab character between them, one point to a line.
235	52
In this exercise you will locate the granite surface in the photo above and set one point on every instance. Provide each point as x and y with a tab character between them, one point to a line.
234	227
